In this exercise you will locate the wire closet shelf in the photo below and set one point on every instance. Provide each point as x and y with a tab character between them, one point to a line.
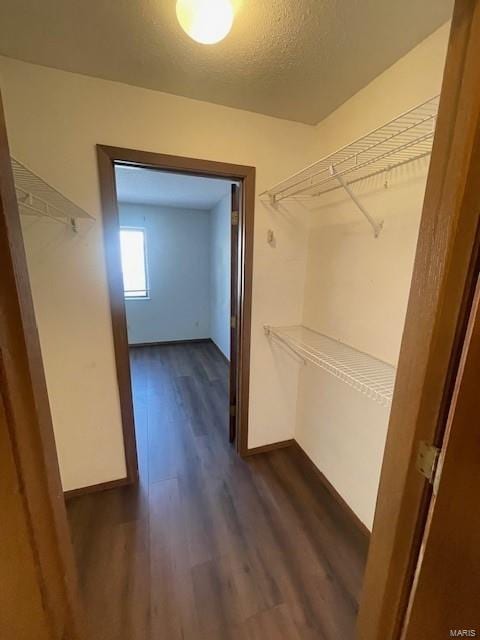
406	138
363	372
36	197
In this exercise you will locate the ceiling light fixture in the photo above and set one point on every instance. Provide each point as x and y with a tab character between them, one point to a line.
205	21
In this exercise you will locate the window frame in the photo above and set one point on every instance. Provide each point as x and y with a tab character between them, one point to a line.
145	262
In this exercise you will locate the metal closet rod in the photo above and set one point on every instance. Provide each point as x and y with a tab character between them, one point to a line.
323	164
406	138
365	163
359	370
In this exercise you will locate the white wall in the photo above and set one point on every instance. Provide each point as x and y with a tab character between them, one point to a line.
369	279
178	263
356	286
343	431
75	335
220	226
54	121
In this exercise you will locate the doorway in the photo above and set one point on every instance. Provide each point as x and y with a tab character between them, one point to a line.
189	182
176	237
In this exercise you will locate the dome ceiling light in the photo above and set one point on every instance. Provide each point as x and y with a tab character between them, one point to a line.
205	21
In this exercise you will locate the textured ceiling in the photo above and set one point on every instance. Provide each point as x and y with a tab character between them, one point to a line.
147	186
295	59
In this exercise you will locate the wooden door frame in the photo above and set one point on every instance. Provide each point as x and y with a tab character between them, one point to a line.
235	199
441	295
30	471
108	157
453	515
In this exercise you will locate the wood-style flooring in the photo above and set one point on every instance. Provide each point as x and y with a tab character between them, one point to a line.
210	546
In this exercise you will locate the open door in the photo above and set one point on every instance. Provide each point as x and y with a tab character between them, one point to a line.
234	316
38	596
444	600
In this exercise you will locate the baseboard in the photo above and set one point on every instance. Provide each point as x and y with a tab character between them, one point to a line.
220	352
313	469
95	488
269	447
165	343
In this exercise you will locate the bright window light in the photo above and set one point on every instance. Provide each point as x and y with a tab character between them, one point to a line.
134	266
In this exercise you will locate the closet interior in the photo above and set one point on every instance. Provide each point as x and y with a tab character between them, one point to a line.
220	364
344	375
345	388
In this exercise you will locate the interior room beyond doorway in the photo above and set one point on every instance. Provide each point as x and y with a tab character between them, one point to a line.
175	238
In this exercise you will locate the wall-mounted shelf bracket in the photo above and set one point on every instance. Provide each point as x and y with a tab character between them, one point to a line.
376	226
36	206
272	199
270	333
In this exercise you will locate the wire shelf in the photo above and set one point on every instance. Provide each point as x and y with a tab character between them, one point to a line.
407	138
363	372
37	197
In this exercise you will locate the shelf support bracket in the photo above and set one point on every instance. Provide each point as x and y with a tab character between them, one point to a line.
272	199
274	336
376	226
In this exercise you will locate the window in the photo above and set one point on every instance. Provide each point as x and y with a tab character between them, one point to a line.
134	265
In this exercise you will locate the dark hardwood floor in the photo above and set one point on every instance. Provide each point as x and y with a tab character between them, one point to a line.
210	546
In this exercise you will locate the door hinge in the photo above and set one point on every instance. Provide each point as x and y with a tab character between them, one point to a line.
233	322
235	218
427	460
233	410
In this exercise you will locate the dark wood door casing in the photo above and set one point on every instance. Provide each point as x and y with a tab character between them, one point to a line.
234	307
108	157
